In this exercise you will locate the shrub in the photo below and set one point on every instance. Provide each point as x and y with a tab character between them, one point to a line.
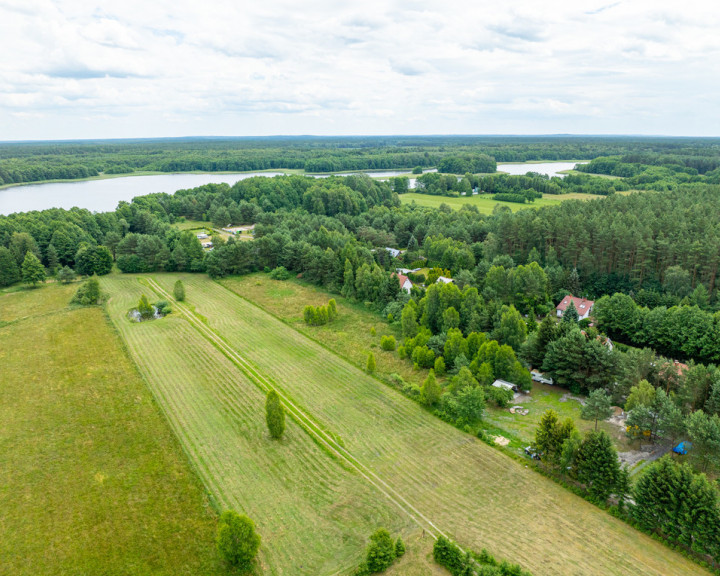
381	552
439	366
144	307
237	541
274	415
370	367
179	291
388	343
399	547
280	273
88	293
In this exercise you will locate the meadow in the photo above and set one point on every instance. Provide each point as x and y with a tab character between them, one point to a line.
350	336
450	481
485	203
314	516
92	479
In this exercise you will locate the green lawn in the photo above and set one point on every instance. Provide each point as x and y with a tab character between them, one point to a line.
92	479
470	491
485	204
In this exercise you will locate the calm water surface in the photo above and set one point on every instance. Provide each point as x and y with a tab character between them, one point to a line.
104	195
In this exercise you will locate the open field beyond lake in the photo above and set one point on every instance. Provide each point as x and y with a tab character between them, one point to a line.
92	479
409	463
485	204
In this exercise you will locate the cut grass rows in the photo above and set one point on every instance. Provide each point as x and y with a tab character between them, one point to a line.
468	489
306	422
313	515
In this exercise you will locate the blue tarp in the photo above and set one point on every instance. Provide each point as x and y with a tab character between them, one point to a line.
682	448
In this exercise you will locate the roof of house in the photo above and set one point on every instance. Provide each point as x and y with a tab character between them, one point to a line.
504	384
444	280
403	279
582	305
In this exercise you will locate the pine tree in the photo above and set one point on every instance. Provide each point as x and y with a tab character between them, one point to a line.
571	313
399	547
66	275
598	406
332	310
274	415
179	291
370	367
32	269
598	466
52	259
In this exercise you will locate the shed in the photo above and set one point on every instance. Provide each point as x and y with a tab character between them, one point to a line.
507	385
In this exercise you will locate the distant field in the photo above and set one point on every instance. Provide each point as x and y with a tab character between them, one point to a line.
92	479
314	516
469	490
485	204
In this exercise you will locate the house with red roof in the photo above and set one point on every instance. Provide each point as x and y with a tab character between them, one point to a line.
582	305
405	283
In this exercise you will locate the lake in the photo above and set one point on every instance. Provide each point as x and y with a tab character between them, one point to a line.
104	195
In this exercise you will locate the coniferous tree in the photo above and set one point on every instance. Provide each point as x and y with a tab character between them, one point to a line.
597	464
66	275
348	289
144	307
274	415
370	366
53	261
598	406
571	313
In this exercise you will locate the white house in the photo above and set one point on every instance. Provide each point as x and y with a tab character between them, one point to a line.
582	305
405	283
444	280
394	252
202	236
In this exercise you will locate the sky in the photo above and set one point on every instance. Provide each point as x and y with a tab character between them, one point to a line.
74	69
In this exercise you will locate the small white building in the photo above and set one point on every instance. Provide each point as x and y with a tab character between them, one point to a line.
202	236
445	280
507	385
394	252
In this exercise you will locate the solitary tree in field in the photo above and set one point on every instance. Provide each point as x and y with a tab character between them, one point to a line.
274	415
598	406
144	307
179	291
237	541
66	275
32	269
381	552
371	363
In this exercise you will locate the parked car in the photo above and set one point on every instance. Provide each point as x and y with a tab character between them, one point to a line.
530	451
538	377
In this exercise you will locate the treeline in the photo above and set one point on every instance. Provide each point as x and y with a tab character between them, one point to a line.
34	162
437	184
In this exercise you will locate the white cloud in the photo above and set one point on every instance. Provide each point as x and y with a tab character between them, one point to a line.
75	69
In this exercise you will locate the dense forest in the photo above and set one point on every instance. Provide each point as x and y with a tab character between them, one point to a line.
33	162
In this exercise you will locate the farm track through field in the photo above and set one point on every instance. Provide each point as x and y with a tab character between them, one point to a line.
313	515
305	421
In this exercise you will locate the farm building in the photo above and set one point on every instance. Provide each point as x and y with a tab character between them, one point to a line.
582	305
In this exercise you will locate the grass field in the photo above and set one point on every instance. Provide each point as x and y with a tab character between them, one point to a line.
349	336
485	204
454	482
313	515
92	479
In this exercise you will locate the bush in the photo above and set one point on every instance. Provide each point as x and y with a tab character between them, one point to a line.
280	273
66	275
88	293
381	552
179	291
163	307
237	541
399	547
144	307
388	343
